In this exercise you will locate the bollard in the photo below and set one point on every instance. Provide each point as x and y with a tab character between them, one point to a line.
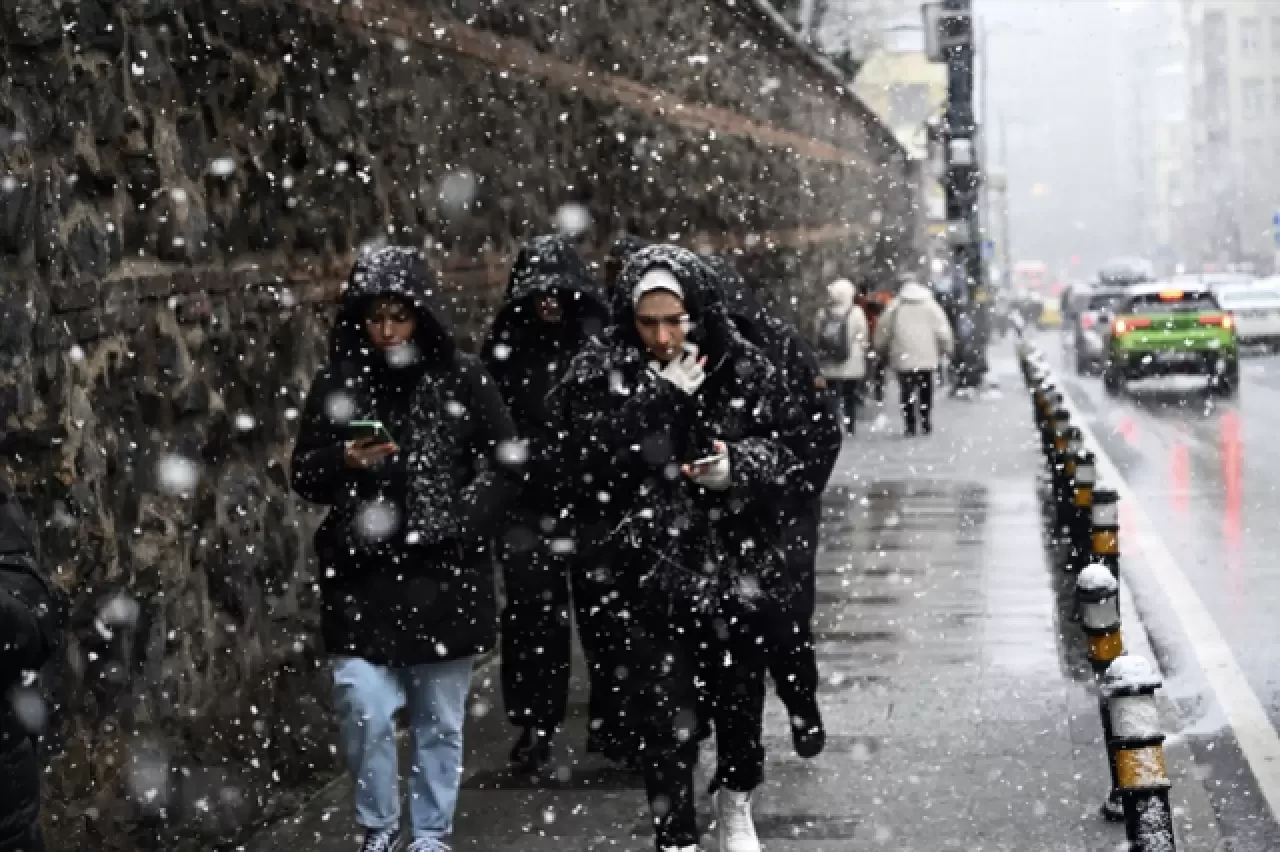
1098	602
1080	525
1142	781
1065	508
1057	463
1105	534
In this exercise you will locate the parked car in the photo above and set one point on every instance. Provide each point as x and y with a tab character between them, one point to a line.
1160	330
1256	309
1087	337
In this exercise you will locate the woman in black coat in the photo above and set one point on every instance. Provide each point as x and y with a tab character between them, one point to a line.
32	615
676	430
552	308
406	565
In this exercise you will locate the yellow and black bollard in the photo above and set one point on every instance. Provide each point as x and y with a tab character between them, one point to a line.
1132	724
1057	461
1105	519
1065	508
1081	523
1098	602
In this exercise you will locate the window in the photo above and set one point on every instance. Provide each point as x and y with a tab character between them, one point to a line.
1275	34
1252	97
1275	94
1250	35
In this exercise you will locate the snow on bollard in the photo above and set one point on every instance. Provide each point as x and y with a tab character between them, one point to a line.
1080	523
1098	600
1105	519
1132	722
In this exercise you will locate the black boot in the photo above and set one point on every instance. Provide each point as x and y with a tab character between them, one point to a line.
532	751
807	732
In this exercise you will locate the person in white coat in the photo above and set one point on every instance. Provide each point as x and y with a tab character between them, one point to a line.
842	340
913	335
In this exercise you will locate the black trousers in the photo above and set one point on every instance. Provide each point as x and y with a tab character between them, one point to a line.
848	391
544	578
690	666
916	388
793	663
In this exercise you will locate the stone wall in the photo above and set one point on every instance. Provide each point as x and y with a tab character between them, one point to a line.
182	186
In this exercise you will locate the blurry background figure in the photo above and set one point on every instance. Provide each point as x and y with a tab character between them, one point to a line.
552	308
32	616
913	336
841	333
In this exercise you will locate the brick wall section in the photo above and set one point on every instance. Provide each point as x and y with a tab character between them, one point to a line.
182	186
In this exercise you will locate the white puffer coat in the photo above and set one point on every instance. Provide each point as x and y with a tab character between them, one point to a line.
841	293
914	332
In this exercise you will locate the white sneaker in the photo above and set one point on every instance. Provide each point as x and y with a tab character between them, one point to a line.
678	849
733	816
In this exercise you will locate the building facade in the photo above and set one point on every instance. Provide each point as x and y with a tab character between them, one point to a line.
1234	77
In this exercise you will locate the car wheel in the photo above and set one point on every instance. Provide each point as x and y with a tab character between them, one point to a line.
1227	383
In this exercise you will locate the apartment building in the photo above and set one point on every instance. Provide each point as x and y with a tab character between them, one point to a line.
1234	75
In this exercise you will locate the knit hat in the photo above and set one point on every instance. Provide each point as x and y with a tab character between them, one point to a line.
657	278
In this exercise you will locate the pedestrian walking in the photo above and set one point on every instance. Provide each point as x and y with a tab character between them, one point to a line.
408	442
551	309
678	431
842	338
793	662
32	618
913	335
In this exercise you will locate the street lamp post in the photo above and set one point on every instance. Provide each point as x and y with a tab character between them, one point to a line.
950	38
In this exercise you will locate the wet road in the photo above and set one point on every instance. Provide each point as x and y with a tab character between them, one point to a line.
1206	473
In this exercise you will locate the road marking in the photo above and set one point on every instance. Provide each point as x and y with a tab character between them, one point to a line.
1240	704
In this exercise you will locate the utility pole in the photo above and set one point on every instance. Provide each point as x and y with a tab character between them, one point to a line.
950	34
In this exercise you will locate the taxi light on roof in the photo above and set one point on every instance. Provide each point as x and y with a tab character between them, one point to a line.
1171	295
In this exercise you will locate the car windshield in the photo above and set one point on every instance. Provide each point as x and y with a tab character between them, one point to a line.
1104	301
1170	303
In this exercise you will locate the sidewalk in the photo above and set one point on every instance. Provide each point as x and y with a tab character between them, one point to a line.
959	714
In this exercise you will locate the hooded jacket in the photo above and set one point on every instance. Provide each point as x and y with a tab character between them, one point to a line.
32	615
527	357
405	570
914	332
624	432
842	304
818	444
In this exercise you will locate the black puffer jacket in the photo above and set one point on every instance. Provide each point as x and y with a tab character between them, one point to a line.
32	614
818	443
404	552
528	357
624	433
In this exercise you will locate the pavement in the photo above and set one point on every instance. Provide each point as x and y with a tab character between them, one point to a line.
960	709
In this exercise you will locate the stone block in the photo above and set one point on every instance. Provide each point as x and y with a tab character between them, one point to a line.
85	325
30	23
75	294
194	308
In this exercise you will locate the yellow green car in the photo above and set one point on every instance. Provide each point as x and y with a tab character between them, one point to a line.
1169	331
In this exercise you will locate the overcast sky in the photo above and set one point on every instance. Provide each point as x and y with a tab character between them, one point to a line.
1057	80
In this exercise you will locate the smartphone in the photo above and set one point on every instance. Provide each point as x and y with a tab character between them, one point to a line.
360	430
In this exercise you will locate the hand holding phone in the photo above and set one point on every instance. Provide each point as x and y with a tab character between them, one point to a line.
370	443
711	471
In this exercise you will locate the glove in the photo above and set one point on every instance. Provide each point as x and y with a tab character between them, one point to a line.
685	372
716	476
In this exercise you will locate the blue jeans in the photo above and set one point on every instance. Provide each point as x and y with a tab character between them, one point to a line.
367	697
